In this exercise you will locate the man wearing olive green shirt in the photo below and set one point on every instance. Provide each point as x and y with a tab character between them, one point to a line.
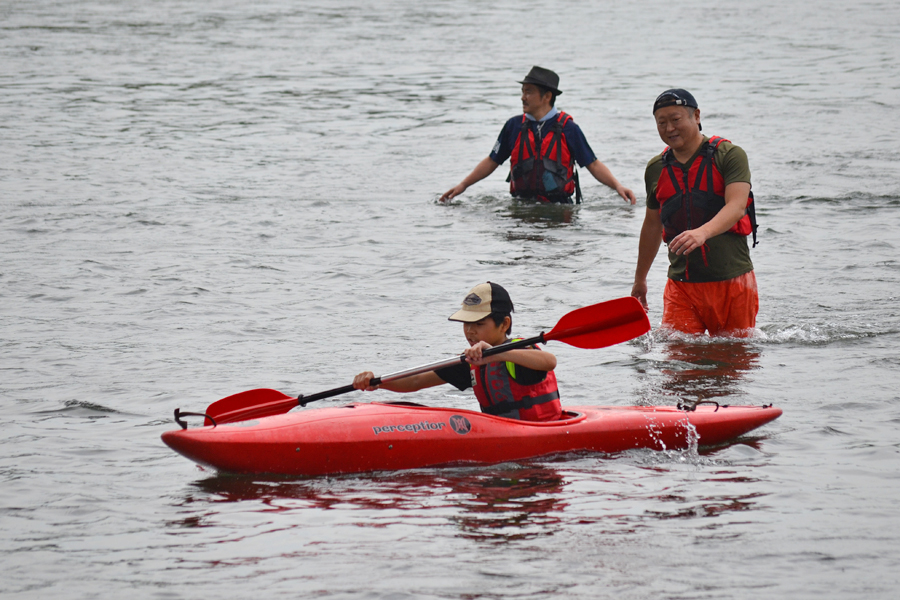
699	202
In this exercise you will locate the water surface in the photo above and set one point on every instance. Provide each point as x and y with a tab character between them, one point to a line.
204	198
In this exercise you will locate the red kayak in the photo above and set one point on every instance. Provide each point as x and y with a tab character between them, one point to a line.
390	436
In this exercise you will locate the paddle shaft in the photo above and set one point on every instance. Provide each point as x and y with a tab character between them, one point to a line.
442	364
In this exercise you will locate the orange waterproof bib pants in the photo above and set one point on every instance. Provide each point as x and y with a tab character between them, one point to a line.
720	307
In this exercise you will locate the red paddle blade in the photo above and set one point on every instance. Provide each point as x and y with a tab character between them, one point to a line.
253	404
603	324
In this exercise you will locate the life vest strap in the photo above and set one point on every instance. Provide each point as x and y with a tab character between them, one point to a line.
502	408
577	186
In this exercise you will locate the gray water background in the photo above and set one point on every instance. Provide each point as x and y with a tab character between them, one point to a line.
200	198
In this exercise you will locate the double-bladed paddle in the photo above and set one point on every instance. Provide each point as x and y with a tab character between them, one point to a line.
595	326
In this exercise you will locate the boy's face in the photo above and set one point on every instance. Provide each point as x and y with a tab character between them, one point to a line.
486	330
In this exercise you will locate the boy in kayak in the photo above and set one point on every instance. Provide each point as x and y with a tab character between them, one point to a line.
517	384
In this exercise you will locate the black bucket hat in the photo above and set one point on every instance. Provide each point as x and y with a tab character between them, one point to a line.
543	77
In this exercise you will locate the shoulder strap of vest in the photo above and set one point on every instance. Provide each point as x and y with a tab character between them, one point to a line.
668	160
557	142
523	140
673	178
707	160
578	195
561	121
666	155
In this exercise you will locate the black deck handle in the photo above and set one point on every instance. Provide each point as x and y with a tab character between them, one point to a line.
692	406
179	414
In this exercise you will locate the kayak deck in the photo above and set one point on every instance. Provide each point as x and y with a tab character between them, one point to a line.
392	436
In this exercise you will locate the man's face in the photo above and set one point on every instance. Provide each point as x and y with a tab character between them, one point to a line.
532	102
678	126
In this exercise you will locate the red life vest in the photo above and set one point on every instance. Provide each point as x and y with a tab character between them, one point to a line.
548	175
688	200
500	394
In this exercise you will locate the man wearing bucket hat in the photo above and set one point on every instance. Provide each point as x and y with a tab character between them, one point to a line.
518	384
543	145
700	204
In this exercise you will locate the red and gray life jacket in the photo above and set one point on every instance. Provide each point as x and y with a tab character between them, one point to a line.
688	200
500	394
548	175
